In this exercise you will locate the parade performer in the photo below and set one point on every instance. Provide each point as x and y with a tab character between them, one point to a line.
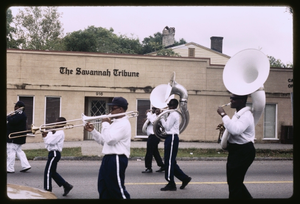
54	141
16	121
240	146
115	137
171	125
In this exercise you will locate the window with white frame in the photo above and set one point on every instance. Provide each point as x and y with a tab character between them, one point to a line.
52	109
270	121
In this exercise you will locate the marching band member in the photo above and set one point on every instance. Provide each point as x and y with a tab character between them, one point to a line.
240	146
54	143
115	137
171	125
152	144
16	122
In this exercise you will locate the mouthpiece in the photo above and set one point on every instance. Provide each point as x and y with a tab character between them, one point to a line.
226	104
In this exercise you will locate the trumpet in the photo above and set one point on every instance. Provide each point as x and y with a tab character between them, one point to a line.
49	127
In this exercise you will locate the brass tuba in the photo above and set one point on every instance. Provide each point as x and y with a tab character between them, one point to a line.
159	98
245	73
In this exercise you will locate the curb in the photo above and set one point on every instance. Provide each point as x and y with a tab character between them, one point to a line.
97	158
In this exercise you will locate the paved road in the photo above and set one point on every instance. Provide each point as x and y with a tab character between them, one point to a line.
265	179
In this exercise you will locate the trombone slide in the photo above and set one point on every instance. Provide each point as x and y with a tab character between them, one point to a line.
67	125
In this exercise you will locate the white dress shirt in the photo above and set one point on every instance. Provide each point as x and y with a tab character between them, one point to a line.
172	123
114	137
151	117
54	142
242	129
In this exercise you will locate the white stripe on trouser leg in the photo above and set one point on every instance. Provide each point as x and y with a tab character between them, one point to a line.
48	172
170	158
118	177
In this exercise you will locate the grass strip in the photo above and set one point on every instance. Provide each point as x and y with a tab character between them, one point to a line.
187	152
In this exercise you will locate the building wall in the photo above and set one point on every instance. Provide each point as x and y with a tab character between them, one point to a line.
39	74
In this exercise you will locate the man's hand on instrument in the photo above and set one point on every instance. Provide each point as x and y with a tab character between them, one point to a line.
89	127
44	134
221	111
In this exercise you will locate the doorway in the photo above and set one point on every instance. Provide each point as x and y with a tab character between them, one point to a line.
95	106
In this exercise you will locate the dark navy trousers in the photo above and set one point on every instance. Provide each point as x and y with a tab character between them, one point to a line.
172	168
111	177
152	151
239	159
50	171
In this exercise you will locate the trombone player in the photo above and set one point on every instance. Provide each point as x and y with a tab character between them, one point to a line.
115	137
16	121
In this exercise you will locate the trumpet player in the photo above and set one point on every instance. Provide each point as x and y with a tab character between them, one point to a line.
16	122
152	143
240	146
171	125
115	137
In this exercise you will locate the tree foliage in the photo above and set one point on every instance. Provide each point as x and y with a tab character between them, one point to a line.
167	52
10	31
154	43
39	28
278	63
98	39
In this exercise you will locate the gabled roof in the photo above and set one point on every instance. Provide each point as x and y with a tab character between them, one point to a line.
197	45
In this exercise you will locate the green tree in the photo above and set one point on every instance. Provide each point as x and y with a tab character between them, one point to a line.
167	52
98	39
278	63
154	43
39	28
10	31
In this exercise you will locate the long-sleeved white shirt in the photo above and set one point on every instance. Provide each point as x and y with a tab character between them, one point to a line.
114	137
241	130
172	123
54	142
151	117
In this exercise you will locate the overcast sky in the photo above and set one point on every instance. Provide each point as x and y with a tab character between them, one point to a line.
266	28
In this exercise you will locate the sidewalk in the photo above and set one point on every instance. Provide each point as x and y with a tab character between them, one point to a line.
90	147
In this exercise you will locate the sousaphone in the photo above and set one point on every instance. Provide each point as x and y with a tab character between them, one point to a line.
160	97
245	73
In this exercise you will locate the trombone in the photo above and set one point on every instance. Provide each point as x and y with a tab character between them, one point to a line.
15	111
68	124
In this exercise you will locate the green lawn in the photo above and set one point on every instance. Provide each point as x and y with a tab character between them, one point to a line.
190	152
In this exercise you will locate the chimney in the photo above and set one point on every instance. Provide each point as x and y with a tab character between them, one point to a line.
168	36
216	43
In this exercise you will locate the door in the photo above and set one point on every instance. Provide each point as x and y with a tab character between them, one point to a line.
95	106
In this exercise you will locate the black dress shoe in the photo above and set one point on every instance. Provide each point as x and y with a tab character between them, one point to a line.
169	187
147	171
24	170
161	169
185	182
67	188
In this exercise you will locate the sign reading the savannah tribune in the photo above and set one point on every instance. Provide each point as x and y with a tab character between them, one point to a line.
107	72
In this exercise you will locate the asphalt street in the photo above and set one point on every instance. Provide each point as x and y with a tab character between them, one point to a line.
265	179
